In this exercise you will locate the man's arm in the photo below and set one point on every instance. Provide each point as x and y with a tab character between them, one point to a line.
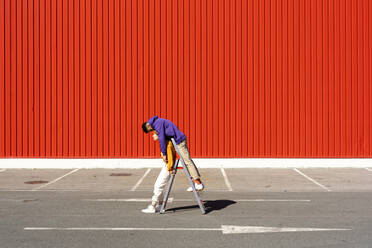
162	139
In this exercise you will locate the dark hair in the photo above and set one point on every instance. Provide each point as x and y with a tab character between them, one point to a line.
144	127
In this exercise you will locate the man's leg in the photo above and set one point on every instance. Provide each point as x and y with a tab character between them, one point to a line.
159	185
182	147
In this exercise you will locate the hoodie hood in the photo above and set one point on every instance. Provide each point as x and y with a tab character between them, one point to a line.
152	120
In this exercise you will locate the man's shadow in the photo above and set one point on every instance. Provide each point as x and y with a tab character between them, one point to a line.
210	206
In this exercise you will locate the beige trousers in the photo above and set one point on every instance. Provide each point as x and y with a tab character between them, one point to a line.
182	147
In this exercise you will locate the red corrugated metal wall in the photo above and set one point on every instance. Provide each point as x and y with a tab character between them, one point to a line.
257	78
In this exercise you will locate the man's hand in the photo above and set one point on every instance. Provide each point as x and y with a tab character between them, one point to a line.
165	159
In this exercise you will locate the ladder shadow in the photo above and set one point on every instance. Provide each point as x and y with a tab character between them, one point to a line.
210	206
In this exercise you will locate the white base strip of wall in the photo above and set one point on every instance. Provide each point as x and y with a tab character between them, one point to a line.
45	163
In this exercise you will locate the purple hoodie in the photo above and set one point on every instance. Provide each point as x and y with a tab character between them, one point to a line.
166	130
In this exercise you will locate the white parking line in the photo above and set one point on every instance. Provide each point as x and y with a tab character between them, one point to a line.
224	228
272	200
249	200
192	200
2	170
140	181
205	190
312	180
368	169
43	190
118	229
171	199
56	180
227	182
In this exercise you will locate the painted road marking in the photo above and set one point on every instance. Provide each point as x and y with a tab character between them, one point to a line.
227	182
271	200
204	190
192	200
262	229
56	180
312	180
250	200
72	190
118	229
368	169
224	228
126	200
43	190
140	180
2	170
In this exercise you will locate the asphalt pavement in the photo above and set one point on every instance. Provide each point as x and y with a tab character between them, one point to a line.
245	208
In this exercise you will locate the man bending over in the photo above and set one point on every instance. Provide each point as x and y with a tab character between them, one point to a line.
167	130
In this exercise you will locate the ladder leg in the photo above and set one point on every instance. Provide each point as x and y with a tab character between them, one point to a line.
169	187
200	202
197	196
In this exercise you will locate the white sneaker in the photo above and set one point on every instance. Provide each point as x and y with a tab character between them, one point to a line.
150	209
198	187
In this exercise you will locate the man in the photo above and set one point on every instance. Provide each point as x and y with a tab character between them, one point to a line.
167	130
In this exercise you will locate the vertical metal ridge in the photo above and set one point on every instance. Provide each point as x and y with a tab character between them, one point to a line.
89	78
13	78
2	78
